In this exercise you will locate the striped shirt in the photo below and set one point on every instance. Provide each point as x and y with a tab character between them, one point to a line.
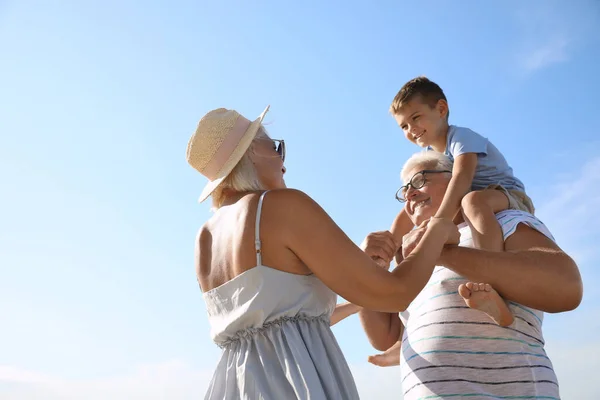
451	351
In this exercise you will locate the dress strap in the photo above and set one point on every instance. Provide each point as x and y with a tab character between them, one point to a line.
257	244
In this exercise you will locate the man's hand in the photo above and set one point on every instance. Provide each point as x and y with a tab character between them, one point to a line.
381	247
412	239
447	225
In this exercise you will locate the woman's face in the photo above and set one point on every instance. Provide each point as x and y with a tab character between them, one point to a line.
268	163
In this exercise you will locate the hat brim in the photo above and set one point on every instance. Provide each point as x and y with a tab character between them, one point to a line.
235	157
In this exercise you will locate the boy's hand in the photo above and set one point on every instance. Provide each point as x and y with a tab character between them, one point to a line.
381	247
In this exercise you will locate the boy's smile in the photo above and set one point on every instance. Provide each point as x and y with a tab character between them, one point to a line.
424	125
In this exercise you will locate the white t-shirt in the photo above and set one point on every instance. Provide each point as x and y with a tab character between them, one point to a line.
452	351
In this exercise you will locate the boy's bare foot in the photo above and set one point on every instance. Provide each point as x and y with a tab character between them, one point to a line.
481	296
388	358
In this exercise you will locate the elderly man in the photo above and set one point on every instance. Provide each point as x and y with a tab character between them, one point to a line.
450	350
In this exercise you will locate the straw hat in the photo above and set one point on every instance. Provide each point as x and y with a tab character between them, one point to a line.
221	139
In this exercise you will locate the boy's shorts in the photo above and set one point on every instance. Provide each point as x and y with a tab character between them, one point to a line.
517	200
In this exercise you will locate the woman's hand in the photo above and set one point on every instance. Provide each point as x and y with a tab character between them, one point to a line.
381	247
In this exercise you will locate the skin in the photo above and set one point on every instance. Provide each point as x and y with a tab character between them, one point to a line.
343	311
483	297
423	124
298	237
426	125
532	270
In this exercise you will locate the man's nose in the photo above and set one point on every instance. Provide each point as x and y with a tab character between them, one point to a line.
411	192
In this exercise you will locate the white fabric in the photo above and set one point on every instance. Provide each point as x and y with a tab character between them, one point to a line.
274	329
452	351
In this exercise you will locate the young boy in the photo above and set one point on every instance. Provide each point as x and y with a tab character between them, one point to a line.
482	184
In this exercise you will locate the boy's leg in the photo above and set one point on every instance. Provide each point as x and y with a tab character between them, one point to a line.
388	358
479	208
481	296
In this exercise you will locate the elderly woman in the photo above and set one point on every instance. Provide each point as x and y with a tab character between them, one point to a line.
453	344
270	262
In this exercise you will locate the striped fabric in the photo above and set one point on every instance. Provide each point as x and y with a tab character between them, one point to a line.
451	351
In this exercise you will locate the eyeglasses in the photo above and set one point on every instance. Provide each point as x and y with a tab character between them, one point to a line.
417	181
279	147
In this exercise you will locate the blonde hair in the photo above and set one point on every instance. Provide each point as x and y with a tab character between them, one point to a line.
428	160
243	177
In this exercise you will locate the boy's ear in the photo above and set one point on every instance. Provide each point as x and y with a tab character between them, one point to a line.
442	107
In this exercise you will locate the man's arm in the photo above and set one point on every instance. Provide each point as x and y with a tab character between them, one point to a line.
532	271
401	226
382	329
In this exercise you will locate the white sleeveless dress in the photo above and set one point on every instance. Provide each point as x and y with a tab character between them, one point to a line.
273	327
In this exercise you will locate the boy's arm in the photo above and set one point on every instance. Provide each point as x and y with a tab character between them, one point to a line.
343	311
463	172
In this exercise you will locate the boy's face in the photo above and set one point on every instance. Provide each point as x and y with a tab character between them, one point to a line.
422	124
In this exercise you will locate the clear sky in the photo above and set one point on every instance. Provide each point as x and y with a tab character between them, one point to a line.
98	212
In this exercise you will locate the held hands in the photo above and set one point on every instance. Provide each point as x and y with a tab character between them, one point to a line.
381	247
442	225
448	227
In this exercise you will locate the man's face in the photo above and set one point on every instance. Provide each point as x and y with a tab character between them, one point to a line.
422	124
422	204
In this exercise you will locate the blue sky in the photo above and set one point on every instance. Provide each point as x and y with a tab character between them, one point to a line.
98	211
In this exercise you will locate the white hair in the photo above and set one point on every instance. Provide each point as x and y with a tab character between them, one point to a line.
425	160
243	177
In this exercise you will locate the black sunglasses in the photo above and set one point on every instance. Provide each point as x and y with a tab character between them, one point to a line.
417	181
279	146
